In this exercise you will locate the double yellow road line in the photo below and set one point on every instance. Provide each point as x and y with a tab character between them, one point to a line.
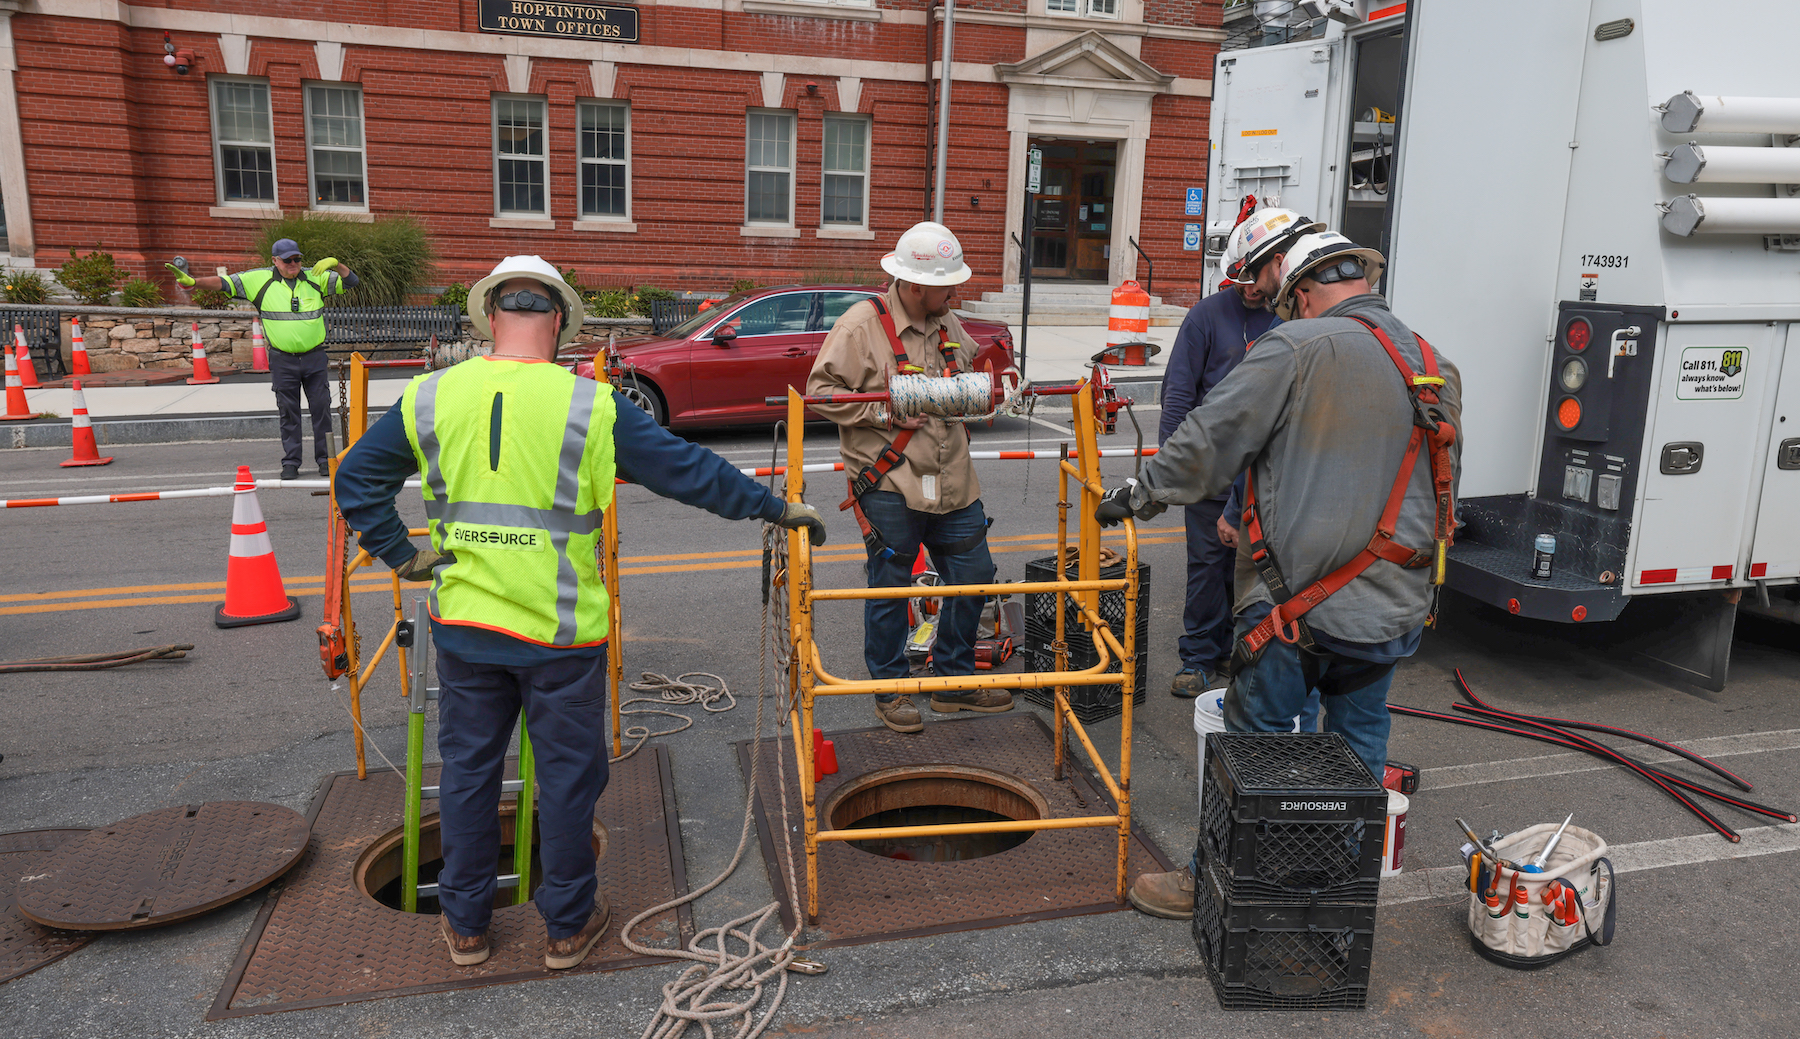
377	580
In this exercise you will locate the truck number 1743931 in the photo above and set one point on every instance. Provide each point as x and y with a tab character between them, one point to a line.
1592	260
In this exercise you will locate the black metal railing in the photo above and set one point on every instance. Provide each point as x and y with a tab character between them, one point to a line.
667	313
43	334
1150	280
391	329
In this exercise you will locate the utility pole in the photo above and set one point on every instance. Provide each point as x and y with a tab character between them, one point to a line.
943	127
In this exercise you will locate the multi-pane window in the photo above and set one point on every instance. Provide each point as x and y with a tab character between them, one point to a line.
334	131
843	202
605	159
769	168
520	162
243	141
1095	8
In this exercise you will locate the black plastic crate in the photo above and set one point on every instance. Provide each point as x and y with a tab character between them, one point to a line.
1091	702
1291	817
1266	956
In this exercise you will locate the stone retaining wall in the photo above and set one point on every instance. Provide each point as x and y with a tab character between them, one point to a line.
119	338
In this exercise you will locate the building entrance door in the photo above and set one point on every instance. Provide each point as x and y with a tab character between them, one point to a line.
1072	235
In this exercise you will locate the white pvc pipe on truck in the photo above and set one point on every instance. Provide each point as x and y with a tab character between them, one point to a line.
1688	112
1717	164
1691	214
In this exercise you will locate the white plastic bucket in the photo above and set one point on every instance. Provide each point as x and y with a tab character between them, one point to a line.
1393	842
1209	716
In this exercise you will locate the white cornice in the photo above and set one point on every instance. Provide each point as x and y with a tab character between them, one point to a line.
1076	25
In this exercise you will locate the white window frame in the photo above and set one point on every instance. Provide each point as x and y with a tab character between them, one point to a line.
313	148
868	144
542	160
793	122
582	162
220	144
1085	9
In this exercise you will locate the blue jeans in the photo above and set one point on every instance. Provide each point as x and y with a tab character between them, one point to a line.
565	710
1267	695
884	620
1206	621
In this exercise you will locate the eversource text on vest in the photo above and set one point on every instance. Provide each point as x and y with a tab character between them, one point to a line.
509	539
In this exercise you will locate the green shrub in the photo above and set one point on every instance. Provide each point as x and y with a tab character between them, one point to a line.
140	293
211	299
742	285
574	280
91	278
608	303
390	255
26	287
648	294
457	295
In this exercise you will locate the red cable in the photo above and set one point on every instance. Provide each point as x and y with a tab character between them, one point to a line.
1716	769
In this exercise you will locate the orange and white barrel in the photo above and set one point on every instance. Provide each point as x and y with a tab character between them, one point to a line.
1128	326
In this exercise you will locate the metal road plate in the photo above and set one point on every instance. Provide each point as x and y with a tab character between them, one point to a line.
319	941
25	946
163	866
865	897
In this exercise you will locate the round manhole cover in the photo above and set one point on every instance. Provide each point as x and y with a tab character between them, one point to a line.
163	866
25	946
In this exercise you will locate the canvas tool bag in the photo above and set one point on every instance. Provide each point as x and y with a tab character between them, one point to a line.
1527	933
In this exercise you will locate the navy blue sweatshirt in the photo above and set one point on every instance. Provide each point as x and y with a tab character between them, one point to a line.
646	454
1211	341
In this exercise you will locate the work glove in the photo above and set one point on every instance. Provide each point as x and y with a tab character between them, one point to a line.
181	276
797	514
319	269
420	566
1115	505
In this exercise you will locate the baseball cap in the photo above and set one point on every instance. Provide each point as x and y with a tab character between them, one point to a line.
284	248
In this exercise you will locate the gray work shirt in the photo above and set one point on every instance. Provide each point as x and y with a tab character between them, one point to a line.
1319	414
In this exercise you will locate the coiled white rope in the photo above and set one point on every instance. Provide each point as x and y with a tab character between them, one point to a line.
694	997
671	692
965	395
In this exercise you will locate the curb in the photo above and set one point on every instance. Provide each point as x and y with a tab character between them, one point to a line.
184	429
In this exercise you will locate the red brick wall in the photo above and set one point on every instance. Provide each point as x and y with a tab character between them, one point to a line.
1175	159
119	150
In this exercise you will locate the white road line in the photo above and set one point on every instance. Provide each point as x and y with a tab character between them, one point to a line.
1452	881
1564	764
99	478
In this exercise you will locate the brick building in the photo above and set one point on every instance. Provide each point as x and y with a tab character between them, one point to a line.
765	139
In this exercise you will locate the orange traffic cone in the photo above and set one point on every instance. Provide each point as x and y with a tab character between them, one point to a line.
27	374
202	372
253	591
82	435
77	348
16	408
259	350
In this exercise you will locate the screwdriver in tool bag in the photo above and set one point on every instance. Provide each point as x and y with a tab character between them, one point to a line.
1537	865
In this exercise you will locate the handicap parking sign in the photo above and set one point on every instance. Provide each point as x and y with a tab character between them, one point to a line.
1196	202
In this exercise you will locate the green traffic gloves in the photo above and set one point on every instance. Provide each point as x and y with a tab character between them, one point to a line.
181	276
319	269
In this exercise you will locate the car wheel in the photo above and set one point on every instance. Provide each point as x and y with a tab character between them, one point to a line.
645	397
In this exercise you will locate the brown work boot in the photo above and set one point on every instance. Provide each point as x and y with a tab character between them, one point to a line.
899	714
983	701
465	951
563	953
1168	895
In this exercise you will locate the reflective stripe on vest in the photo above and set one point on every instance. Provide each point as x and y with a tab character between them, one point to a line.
501	580
286	329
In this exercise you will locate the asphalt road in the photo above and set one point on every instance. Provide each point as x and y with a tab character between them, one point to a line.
1705	946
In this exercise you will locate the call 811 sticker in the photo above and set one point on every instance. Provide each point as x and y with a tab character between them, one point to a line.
1712	373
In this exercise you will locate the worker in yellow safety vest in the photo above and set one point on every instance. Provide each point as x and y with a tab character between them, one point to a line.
519	457
290	299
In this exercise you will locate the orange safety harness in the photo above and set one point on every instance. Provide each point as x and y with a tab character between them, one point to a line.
1430	428
893	454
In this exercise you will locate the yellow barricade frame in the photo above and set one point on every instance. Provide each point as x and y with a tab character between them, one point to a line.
808	678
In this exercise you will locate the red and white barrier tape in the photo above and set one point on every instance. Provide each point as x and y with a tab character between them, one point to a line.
320	485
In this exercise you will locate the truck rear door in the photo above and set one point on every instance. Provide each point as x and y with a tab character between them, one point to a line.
1775	543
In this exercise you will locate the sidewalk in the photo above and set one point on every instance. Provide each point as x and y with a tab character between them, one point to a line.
242	407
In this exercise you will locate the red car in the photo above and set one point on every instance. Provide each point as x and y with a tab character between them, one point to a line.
715	368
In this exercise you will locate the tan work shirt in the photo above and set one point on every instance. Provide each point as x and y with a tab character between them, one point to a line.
938	476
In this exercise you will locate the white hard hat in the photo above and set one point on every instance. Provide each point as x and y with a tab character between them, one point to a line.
1311	254
535	268
927	254
1264	233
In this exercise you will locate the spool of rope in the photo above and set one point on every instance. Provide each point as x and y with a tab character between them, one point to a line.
965	394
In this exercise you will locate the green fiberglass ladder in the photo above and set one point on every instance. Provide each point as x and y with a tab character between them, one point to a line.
421	690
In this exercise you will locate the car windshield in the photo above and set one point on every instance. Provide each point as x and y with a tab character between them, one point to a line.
711	313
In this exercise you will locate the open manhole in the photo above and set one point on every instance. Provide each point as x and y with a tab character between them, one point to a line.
929	795
377	871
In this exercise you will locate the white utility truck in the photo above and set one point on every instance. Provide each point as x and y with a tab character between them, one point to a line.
1593	208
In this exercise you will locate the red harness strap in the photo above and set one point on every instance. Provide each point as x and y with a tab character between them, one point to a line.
893	454
1429	428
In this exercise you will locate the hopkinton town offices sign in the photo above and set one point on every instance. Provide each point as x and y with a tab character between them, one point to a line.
582	21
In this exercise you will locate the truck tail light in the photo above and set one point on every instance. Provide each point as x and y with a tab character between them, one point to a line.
1577	333
1568	413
